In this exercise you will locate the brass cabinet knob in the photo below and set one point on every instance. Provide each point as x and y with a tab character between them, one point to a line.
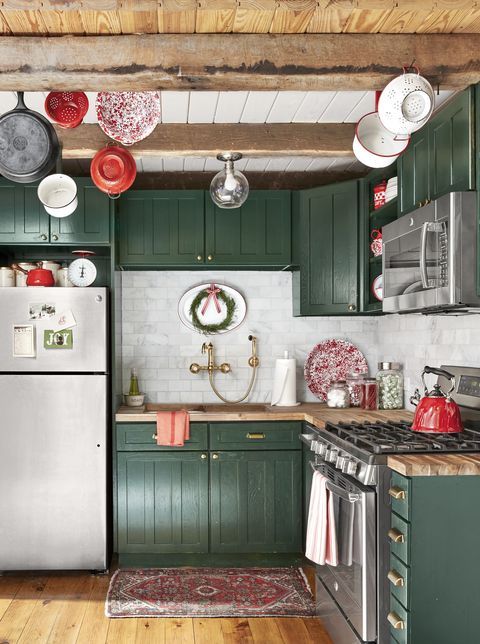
396	621
351	307
55	237
43	237
154	436
210	257
395	578
215	457
203	456
397	493
199	258
396	536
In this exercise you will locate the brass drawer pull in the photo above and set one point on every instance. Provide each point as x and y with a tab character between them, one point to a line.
396	536
154	436
255	436
396	621
397	493
395	578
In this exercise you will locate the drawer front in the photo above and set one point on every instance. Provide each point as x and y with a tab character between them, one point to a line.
245	436
398	620
399	491
398	577
134	437
399	537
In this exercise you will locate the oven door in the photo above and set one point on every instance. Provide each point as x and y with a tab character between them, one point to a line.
415	261
352	583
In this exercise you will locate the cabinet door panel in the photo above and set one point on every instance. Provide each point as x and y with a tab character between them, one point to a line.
257	234
327	249
90	223
256	502
162	502
22	217
413	173
161	228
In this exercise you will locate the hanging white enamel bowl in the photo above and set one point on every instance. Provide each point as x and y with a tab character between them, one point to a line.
406	103
374	145
58	194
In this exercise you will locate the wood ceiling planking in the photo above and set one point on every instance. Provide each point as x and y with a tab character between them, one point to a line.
238	16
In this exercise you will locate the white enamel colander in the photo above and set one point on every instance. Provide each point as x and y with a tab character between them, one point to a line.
374	145
406	103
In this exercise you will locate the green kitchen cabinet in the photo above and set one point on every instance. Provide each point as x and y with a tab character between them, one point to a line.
256	501
23	219
162	502
440	156
256	234
161	228
433	566
326	240
90	223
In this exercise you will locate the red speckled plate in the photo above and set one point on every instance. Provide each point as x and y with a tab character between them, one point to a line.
332	360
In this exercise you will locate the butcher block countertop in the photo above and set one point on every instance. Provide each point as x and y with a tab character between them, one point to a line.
317	414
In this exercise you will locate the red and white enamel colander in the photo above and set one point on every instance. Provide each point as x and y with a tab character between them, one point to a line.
113	170
128	117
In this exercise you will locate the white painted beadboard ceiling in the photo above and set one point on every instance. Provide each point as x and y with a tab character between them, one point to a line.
244	107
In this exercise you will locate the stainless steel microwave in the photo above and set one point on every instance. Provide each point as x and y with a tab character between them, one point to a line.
430	257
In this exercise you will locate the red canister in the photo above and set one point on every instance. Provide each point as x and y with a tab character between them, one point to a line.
369	398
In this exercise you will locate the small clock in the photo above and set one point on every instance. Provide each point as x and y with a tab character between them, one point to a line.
82	271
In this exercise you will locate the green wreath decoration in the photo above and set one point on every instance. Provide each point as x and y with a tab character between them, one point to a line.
212	328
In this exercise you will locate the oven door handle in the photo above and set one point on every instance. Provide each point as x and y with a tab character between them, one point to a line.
350	497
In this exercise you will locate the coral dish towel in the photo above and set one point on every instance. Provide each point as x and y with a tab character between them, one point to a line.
173	428
321	546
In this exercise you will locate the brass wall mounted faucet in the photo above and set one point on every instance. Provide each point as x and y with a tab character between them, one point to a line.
210	366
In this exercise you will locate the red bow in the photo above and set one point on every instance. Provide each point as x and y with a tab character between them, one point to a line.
212	295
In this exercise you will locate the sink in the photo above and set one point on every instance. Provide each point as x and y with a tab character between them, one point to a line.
220	408
149	407
226	407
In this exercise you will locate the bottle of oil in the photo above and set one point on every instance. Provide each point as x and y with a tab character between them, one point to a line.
134	390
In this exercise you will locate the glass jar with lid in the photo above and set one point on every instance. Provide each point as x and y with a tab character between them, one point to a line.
354	384
338	395
390	385
369	399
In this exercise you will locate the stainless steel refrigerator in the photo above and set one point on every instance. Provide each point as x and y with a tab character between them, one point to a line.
53	428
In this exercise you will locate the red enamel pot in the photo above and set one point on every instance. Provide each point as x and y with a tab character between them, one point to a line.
37	276
113	170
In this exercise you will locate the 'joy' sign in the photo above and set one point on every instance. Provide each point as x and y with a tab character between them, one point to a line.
58	339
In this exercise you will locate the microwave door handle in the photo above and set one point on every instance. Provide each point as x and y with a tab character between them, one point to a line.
350	497
423	254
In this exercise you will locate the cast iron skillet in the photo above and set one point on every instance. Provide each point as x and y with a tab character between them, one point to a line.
28	144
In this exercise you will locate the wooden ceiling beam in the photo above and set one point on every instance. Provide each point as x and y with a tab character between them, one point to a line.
207	140
234	61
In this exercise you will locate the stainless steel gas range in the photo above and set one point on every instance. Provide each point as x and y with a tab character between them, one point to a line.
352	597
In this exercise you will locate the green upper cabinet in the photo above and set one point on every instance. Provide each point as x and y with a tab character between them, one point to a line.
325	227
256	501
23	219
161	228
89	224
256	234
440	157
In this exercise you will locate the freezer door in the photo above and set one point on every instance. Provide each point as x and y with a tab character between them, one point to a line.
53	472
88	351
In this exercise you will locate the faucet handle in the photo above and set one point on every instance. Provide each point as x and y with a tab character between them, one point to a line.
204	347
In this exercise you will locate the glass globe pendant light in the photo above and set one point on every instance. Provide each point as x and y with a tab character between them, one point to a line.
229	188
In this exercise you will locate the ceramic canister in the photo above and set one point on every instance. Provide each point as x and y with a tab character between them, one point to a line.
7	276
21	278
62	277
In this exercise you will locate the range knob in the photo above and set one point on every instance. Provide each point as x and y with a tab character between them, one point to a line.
339	462
322	449
352	468
345	464
313	446
332	456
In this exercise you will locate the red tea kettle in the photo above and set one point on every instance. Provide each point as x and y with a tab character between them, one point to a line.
436	411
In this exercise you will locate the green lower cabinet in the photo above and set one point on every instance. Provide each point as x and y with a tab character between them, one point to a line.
256	502
434	566
162	502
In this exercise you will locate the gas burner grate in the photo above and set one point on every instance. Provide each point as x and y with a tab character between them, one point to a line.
397	437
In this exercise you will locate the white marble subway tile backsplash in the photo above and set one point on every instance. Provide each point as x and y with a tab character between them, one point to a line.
155	341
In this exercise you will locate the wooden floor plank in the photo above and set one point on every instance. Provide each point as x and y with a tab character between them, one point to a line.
94	626
208	631
121	631
236	631
43	616
151	631
9	586
318	634
72	610
18	612
293	630
179	631
265	629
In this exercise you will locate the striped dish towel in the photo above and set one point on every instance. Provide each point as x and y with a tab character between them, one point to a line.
173	428
321	547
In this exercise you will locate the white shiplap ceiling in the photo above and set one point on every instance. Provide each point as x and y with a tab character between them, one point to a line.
244	107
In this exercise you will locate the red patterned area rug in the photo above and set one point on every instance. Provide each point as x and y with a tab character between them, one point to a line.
209	592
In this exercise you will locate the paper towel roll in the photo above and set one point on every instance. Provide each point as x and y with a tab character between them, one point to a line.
284	392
